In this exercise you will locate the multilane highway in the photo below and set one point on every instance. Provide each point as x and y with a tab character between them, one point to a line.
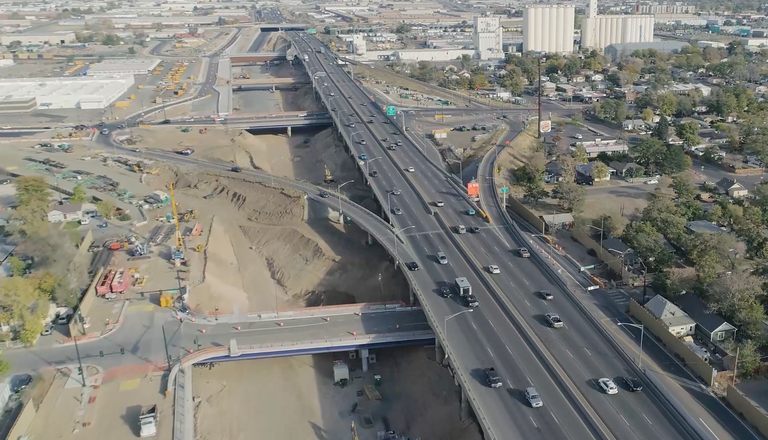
488	337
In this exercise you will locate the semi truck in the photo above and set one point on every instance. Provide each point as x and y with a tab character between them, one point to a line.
464	289
148	421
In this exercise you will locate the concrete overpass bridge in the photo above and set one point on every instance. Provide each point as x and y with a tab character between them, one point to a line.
276	27
267	81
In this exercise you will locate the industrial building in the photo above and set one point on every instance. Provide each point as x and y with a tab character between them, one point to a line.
600	31
615	51
357	44
548	28
123	66
56	38
87	93
488	38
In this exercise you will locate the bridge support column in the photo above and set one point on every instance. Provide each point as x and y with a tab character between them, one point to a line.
411	296
464	405
289	131
439	352
370	239
364	358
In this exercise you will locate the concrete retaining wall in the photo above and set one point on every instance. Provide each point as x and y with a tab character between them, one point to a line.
526	214
75	329
676	346
23	422
751	411
606	257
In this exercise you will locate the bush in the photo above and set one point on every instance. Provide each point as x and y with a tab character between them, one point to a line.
124	217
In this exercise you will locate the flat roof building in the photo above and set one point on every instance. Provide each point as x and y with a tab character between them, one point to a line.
87	93
123	66
56	38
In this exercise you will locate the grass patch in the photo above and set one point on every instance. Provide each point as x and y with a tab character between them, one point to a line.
71	225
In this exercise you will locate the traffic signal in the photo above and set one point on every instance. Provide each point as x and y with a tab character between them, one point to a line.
101	353
80	370
122	351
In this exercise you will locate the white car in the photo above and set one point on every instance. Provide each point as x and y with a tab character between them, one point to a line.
578	136
411	170
652	182
608	386
493	269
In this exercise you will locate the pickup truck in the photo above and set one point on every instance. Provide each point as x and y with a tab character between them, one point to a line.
554	320
148	421
524	252
493	379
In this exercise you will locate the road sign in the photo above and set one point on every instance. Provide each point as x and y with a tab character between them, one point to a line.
545	126
504	189
391	110
473	189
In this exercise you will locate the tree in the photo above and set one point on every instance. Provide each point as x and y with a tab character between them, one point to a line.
711	255
650	153
647	115
737	297
132	50
580	154
534	191
611	226
749	357
32	195
661	130
18	267
688	133
403	28
4	367
532	171
78	194
600	171
667	103
675	160
111	40
646	240
106	208
683	187
570	195
568	168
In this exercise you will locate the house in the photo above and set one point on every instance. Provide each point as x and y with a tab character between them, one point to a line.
548	87
578	79
709	325
623	168
732	188
702	227
587	170
566	88
71	212
633	124
597	77
757	89
602	146
619	249
673	317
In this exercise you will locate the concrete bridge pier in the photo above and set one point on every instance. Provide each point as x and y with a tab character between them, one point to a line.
464	405
370	239
364	359
289	131
439	352
411	292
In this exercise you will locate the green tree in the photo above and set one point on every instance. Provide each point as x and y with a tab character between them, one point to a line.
18	267
4	367
647	115
106	208
738	297
650	154
33	195
667	103
711	255
675	160
78	194
661	130
570	196
110	40
534	191
684	187
567	167
403	28
600	171
688	133
580	154
611	226
646	240
749	357
132	50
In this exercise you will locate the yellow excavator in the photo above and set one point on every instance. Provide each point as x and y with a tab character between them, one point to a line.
328	176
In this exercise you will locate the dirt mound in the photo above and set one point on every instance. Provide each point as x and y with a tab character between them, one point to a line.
324	149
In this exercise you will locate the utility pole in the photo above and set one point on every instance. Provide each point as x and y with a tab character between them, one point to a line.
80	362
538	129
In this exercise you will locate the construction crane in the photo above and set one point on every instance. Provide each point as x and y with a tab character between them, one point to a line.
177	253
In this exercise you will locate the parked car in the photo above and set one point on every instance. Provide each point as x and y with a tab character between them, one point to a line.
47	330
20	382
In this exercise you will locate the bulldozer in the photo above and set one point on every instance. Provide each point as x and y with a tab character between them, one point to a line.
189	215
328	176
199	248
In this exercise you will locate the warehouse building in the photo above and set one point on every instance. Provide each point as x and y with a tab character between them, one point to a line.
87	93
614	52
42	38
123	66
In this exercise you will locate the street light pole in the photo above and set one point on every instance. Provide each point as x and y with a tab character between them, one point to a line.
366	165
397	258
338	193
445	326
79	361
642	331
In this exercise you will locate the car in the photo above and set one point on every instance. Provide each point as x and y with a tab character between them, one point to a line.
411	169
374	173
460	229
63	319
6	127
441	258
105	131
351	125
362	142
546	294
324	194
633	384
397	211
363	104
396	191
386	139
652	182
523	252
608	386
533	397
554	321
471	301
135	150
334	109
236	170
493	269
474	229
370	121
165	121
445	292
103	225
47	330
386	121
101	124
439	203
470	211
412	266
493	379
578	136
121	126
20	382
392	147
363	157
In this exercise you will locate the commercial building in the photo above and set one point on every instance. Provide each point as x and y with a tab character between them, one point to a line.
602	146
433	55
487	38
600	31
548	28
87	93
357	45
42	38
616	51
123	66
664	8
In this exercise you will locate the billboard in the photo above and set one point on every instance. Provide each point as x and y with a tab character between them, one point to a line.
473	189
545	126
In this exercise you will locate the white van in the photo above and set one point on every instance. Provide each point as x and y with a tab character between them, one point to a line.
461	229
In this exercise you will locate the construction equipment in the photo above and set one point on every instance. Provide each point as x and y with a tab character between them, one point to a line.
141	281
199	248
203	130
166	299
328	176
190	214
177	253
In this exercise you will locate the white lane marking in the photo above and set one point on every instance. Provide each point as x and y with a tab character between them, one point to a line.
625	420
526	282
497	249
508	349
585	349
425	250
494	327
710	430
569	353
553	416
533	421
489	351
274	328
646	418
509	384
529	381
529	304
473	325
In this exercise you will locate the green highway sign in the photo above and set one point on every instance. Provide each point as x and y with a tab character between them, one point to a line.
391	110
504	189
